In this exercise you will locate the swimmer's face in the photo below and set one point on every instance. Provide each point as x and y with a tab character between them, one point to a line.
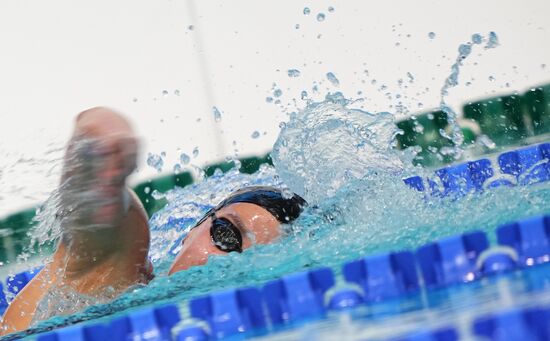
238	227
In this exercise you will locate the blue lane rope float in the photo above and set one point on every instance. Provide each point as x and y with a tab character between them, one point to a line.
230	312
518	324
452	260
524	166
443	334
384	276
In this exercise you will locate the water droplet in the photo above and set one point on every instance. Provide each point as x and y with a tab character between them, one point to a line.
543	66
476	38
303	95
255	134
157	195
190	27
411	77
176	92
491	78
185	159
269	99
331	9
464	50
277	93
297	26
164	93
332	79
177	168
420	104
195	151
217	114
293	73
147	190
155	161
307	11
431	35
492	41
135	99
321	17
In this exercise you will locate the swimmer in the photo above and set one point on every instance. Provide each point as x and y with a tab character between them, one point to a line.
105	239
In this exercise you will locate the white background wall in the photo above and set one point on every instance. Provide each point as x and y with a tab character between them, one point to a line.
58	57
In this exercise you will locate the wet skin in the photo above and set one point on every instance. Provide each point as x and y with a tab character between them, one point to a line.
110	258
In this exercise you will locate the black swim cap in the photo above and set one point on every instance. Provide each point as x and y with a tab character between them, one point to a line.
285	209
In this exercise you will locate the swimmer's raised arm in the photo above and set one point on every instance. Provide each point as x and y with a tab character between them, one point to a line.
105	237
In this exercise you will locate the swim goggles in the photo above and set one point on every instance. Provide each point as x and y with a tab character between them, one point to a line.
224	234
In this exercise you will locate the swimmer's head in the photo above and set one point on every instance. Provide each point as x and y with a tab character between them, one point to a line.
252	215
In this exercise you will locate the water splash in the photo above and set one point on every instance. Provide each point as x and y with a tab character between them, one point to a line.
155	161
293	73
332	79
492	41
329	143
217	114
185	159
464	50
